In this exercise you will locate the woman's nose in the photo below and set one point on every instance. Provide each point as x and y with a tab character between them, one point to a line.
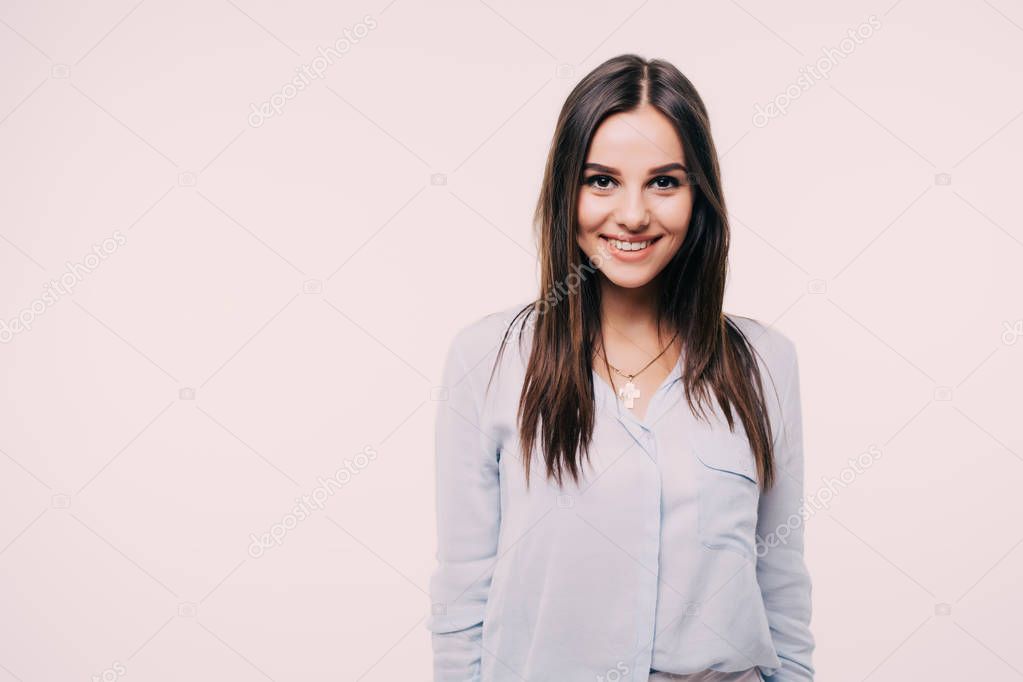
633	214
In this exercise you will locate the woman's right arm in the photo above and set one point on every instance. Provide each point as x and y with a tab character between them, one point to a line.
468	520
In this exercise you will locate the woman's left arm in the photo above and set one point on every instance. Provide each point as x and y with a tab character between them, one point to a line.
781	570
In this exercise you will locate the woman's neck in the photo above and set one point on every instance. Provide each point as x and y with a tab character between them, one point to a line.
630	313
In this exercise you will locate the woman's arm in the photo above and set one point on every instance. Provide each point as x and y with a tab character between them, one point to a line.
468	521
781	571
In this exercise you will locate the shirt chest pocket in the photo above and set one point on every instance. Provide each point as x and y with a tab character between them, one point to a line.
728	492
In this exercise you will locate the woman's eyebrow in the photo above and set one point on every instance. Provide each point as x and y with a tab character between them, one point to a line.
660	169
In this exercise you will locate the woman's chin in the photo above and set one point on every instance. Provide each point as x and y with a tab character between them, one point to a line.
629	278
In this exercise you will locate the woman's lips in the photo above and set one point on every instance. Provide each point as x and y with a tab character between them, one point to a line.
613	245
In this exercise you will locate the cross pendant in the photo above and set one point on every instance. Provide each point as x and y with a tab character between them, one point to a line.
628	394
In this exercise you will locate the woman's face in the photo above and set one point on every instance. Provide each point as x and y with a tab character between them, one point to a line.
634	201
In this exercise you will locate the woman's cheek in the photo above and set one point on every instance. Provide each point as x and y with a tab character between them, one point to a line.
585	214
675	214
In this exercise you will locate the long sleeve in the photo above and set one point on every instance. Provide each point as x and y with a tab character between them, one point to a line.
468	522
781	570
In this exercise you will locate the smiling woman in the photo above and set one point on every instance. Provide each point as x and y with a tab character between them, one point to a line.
601	488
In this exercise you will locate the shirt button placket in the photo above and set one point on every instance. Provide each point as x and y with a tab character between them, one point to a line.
651	554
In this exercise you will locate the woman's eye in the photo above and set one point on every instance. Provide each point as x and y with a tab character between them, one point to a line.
672	181
596	180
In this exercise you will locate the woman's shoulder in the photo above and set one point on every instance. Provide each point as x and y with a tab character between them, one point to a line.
482	335
775	349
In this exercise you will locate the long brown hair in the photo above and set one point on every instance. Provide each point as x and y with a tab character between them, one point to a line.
557	399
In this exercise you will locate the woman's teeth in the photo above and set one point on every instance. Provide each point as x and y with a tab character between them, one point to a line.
630	246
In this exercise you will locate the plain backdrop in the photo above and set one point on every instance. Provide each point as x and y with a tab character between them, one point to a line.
218	290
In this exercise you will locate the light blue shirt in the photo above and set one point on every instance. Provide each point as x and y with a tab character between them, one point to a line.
664	556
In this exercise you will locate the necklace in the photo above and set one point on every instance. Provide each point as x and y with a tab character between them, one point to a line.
629	392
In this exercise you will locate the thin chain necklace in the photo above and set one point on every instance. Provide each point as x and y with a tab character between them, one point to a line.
629	392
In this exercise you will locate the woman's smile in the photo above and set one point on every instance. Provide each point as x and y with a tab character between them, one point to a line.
632	249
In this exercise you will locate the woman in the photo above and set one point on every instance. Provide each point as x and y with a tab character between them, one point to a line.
593	524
